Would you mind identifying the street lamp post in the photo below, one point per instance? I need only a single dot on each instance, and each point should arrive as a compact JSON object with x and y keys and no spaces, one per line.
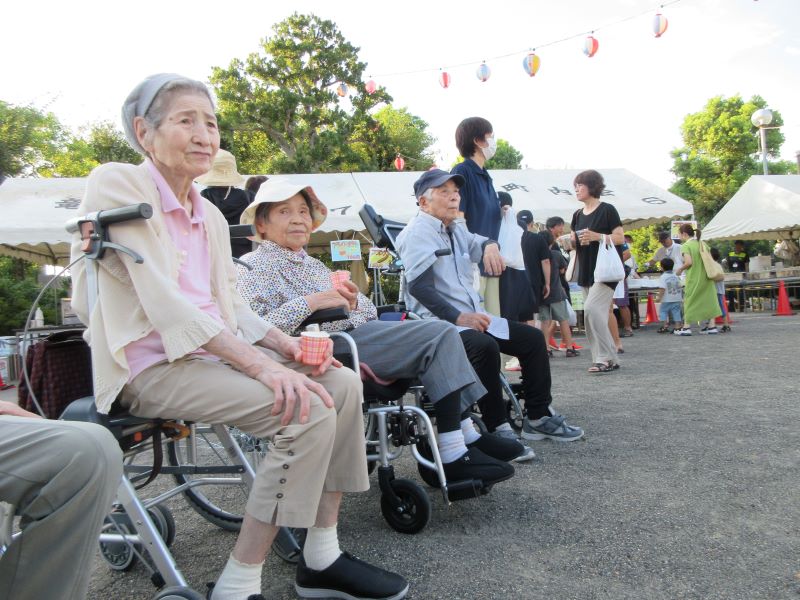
{"x":761,"y":118}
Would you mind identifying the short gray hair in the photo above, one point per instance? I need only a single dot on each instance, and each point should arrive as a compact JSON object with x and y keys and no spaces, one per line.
{"x":151,"y":99}
{"x":427,"y":194}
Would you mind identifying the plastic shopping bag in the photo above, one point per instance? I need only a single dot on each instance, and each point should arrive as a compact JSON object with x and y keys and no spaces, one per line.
{"x":510,"y":240}
{"x":573,"y":316}
{"x":608,"y":268}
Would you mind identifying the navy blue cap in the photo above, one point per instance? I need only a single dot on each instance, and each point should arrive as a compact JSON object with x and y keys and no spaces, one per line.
{"x":435,"y":178}
{"x":525,"y":217}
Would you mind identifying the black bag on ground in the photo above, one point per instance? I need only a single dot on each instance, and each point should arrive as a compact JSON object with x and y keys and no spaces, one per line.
{"x":60,"y":371}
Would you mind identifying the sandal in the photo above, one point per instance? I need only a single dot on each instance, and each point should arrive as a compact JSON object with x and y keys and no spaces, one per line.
{"x":625,"y":333}
{"x":600,"y":368}
{"x":620,"y":350}
{"x":664,"y":330}
{"x":572,"y":352}
{"x":613,"y":366}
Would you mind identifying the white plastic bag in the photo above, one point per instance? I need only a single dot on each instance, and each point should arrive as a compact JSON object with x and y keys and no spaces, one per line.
{"x":608,"y":268}
{"x":573,"y":316}
{"x":510,"y":240}
{"x":619,"y":291}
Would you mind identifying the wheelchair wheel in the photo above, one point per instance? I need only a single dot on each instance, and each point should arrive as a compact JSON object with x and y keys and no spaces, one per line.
{"x":220,"y":504}
{"x":119,"y":555}
{"x":178,"y":593}
{"x":164,"y":522}
{"x":289,"y":547}
{"x":415,"y":510}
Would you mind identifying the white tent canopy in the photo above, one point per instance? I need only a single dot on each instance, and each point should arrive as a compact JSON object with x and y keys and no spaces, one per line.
{"x":35,"y":210}
{"x":766,"y":207}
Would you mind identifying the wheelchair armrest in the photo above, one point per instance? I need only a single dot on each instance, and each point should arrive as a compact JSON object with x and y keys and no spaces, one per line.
{"x":400,"y":307}
{"x":84,"y":410}
{"x":325,"y":315}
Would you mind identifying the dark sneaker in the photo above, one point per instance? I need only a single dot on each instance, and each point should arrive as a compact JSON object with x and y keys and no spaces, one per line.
{"x":510,"y":434}
{"x":349,"y":578}
{"x":477,"y":465}
{"x":553,"y":428}
{"x":498,"y":446}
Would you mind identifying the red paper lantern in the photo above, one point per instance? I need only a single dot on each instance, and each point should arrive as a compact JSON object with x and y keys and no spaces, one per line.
{"x":444,"y":79}
{"x":660,"y":24}
{"x":590,"y":46}
{"x":399,"y":163}
{"x":370,"y":87}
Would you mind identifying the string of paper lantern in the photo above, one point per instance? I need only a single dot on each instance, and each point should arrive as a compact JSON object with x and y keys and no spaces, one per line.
{"x":531,"y":62}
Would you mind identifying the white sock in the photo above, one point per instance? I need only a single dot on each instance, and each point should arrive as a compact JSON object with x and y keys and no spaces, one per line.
{"x":452,"y":446}
{"x":468,"y":431}
{"x":238,"y":581}
{"x":322,"y":547}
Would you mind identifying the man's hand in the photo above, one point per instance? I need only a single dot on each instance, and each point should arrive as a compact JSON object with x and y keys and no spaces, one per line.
{"x":14,"y":410}
{"x":546,"y":290}
{"x":493,"y":263}
{"x":476,"y":321}
{"x":349,"y":291}
{"x":292,"y":390}
{"x":327,"y":299}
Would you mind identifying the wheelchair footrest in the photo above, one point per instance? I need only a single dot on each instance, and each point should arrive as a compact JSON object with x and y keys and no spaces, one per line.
{"x":464,"y":490}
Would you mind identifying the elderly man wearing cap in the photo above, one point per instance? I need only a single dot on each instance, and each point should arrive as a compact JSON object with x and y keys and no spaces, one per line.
{"x":669,"y":249}
{"x":438,"y":255}
{"x":286,"y":285}
{"x":172,"y":338}
{"x":222,"y":189}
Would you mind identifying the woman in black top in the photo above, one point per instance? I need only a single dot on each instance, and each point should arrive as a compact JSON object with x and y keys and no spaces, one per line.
{"x":589,"y":225}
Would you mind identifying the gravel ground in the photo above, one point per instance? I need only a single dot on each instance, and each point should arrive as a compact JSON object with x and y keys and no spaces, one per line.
{"x":686,"y":486}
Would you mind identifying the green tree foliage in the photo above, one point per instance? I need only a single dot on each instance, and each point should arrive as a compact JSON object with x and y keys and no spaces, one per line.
{"x":645,"y":242}
{"x":96,"y":144}
{"x":27,"y":136}
{"x":720,"y":153}
{"x":18,"y":289}
{"x":394,"y":130}
{"x":506,"y":157}
{"x":280,"y":113}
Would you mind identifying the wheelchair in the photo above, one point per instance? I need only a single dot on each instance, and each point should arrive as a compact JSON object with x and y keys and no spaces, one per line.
{"x":213,"y":465}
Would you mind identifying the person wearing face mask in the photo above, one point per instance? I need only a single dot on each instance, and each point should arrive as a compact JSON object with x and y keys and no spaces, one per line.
{"x":480,"y":206}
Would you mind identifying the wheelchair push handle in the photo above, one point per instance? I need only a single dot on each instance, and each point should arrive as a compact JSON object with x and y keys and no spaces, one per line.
{"x":112,"y":216}
{"x":242,"y":231}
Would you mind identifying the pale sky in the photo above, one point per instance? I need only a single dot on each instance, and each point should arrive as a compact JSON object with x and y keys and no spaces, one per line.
{"x":620,"y":109}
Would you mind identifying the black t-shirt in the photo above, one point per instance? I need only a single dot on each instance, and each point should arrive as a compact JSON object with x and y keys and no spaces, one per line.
{"x":604,"y":219}
{"x":557,"y":262}
{"x":534,"y":251}
{"x":231,"y":202}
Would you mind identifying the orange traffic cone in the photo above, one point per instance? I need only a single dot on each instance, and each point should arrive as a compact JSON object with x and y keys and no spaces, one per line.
{"x":652,"y":313}
{"x":784,"y":308}
{"x":3,"y":385}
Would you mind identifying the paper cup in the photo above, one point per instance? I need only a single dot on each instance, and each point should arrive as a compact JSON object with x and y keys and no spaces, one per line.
{"x":339,"y":277}
{"x":314,"y":345}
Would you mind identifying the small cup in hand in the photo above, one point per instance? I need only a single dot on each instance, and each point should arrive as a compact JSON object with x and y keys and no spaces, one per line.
{"x":338,"y":278}
{"x":314,"y":346}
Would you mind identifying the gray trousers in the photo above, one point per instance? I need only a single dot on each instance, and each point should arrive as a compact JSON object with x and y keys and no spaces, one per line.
{"x":61,"y":477}
{"x":596,"y":304}
{"x":428,"y":349}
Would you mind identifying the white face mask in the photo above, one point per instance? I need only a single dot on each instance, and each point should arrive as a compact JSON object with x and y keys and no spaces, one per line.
{"x":490,"y":150}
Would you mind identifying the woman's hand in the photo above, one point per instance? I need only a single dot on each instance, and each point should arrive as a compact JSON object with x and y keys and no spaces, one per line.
{"x":328,"y":299}
{"x":349,"y":291}
{"x":289,"y":347}
{"x":292,"y":390}
{"x":588,"y":236}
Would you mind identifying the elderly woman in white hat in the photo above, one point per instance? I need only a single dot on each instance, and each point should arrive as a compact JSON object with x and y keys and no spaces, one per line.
{"x":223,"y":189}
{"x":286,"y":285}
{"x":173,"y":338}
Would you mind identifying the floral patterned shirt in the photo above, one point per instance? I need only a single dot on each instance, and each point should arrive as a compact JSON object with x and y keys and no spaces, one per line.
{"x":280,"y":279}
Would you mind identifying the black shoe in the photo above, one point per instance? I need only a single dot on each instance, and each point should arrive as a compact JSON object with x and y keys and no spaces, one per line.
{"x":501,"y":448}
{"x":349,"y":578}
{"x":477,"y":465}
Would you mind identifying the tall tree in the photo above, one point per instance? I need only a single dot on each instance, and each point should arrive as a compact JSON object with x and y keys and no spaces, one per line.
{"x":377,"y":141}
{"x":506,"y":157}
{"x":280,"y":111}
{"x":27,"y":136}
{"x":720,"y":153}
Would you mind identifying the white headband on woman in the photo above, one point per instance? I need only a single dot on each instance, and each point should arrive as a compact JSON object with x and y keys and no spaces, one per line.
{"x":139,"y":100}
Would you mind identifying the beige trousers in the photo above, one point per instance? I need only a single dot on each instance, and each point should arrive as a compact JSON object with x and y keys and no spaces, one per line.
{"x":326,"y":454}
{"x":596,"y":302}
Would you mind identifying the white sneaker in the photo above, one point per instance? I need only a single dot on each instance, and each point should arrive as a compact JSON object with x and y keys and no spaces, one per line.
{"x":682,"y":332}
{"x":513,"y":365}
{"x":709,"y":330}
